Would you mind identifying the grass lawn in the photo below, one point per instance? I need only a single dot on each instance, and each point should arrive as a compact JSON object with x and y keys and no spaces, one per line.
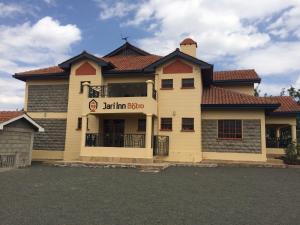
{"x":179,"y":195}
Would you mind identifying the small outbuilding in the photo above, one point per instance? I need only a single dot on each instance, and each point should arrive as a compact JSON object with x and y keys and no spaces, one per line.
{"x":16,"y":138}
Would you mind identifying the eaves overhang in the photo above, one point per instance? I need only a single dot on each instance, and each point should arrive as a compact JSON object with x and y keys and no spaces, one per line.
{"x":24,"y":77}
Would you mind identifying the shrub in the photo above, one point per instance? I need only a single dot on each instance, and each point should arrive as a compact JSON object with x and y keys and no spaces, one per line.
{"x":291,"y":153}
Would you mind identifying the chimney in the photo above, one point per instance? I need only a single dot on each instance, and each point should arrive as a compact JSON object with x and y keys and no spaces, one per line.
{"x":188,"y":46}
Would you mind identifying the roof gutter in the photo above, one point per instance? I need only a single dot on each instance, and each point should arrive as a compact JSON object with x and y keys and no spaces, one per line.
{"x":237,"y":81}
{"x":24,"y":77}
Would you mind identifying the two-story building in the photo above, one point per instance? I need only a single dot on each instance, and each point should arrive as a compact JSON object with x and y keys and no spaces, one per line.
{"x":133,"y":106}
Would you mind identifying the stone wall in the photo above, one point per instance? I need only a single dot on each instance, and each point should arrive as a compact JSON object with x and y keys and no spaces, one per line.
{"x":54,"y":136}
{"x":18,"y":142}
{"x":250,"y":142}
{"x":47,"y":98}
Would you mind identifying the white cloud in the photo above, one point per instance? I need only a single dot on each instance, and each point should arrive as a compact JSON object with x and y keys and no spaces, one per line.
{"x":43,"y":43}
{"x":11,"y":93}
{"x":274,"y":59}
{"x":27,"y":46}
{"x":119,"y":9}
{"x":235,"y":29}
{"x":10,"y":9}
{"x":221,"y":27}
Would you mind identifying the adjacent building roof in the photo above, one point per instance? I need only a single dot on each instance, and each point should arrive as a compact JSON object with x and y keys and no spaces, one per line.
{"x":236,"y":76}
{"x":216,"y":97}
{"x":287,"y":105}
{"x":7,"y":117}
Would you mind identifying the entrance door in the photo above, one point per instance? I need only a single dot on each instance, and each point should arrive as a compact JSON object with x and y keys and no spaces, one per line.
{"x":113,"y":133}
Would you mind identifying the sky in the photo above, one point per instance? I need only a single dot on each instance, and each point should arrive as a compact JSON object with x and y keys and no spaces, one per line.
{"x":231,"y":34}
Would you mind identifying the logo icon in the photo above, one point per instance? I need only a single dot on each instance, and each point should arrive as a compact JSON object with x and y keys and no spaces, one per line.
{"x":93,"y":105}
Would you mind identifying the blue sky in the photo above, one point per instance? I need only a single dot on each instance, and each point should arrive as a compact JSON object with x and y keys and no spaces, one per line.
{"x":231,"y":34}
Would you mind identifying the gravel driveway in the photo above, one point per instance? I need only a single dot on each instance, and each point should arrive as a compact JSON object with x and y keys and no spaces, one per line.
{"x":179,"y":195}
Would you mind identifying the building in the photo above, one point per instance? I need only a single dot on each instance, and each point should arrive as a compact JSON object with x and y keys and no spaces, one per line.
{"x":16,"y":138}
{"x":133,"y":106}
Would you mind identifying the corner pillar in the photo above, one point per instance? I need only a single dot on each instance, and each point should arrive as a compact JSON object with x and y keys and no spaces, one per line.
{"x":150,"y":85}
{"x":148,"y":130}
{"x":294,"y":133}
{"x":83,"y":130}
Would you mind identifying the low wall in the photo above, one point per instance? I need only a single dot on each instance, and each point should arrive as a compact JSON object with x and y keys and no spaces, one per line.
{"x":117,"y":152}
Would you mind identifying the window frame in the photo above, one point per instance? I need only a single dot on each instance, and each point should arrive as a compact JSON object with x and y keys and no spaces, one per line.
{"x":143,"y":125}
{"x":169,"y":87}
{"x":184,"y":124}
{"x":235,"y":130}
{"x":187,"y":87}
{"x":170,"y":124}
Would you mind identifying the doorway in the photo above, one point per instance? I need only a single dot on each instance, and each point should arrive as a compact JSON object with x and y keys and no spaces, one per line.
{"x":113,"y":132}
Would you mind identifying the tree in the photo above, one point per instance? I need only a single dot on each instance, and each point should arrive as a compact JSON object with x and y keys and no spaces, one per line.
{"x":294,"y":93}
{"x":256,"y":91}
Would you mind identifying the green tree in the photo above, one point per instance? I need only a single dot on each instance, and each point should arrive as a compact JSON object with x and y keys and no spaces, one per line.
{"x":294,"y":93}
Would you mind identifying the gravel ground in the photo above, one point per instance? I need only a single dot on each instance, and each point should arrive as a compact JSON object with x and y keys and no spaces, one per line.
{"x":179,"y":195}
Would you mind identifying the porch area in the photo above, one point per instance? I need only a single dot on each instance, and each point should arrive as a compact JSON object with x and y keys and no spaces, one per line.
{"x":121,"y":138}
{"x":278,"y":137}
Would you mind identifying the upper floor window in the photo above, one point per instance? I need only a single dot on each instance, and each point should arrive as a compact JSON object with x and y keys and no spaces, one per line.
{"x":167,"y":83}
{"x":141,"y":125}
{"x":230,"y":129}
{"x":166,"y":124}
{"x":187,"y":83}
{"x":81,"y":85}
{"x":187,"y":124}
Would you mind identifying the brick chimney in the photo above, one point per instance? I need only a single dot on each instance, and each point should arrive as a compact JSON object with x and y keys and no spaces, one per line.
{"x":188,"y":46}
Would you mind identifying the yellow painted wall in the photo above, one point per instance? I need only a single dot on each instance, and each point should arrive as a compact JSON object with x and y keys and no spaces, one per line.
{"x":242,"y":115}
{"x":178,"y":103}
{"x":240,"y":88}
{"x":291,"y":120}
{"x":189,"y":49}
{"x":75,"y":108}
{"x":47,"y":155}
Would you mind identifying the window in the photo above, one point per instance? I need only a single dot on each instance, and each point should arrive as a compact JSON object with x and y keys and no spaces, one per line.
{"x":187,"y":83}
{"x":166,"y":123}
{"x":79,"y":123}
{"x":81,"y":86}
{"x":141,"y":125}
{"x":230,"y":129}
{"x":167,"y":83}
{"x":187,"y":124}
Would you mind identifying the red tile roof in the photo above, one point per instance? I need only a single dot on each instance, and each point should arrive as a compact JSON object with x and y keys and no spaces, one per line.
{"x":7,"y":115}
{"x":188,"y":41}
{"x":220,"y":96}
{"x":131,"y":62}
{"x":48,"y":70}
{"x":121,"y":63}
{"x":288,"y":104}
{"x":235,"y":75}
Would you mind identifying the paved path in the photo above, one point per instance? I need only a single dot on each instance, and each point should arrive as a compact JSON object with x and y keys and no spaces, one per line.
{"x":178,"y":195}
